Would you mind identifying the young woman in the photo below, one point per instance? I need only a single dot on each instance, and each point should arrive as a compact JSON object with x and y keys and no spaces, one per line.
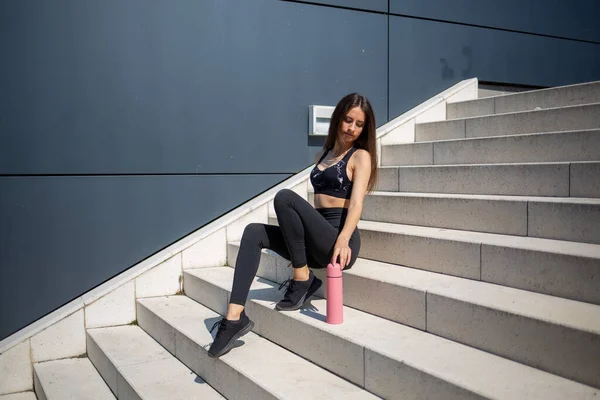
{"x":310,"y":237}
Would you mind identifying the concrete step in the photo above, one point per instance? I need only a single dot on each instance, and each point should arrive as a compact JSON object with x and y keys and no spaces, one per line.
{"x":562,"y":96}
{"x":572,"y":219}
{"x":566,"y":269}
{"x":538,"y":147}
{"x":135,"y":366}
{"x":73,"y":378}
{"x":259,"y":369}
{"x":471,"y":312}
{"x":576,"y":179}
{"x":549,"y":120}
{"x":19,"y":396}
{"x":393,"y":361}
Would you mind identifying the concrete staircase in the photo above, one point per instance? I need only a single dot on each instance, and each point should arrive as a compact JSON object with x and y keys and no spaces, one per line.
{"x":478,"y":278}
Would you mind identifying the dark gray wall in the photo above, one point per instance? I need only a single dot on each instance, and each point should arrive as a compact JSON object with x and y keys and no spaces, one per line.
{"x":62,"y":235}
{"x":124,"y":126}
{"x":575,"y":19}
{"x":427,"y":56}
{"x":177,"y":87}
{"x":370,"y":5}
{"x":127,"y":125}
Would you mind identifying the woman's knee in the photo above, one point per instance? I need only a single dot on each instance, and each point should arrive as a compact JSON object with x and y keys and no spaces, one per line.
{"x":253,"y":231}
{"x":283,"y":197}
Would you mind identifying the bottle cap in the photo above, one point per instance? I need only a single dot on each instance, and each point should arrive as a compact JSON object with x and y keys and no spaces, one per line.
{"x":334,"y":271}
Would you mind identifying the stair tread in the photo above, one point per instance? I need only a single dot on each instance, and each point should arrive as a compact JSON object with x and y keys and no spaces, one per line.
{"x":19,"y":396}
{"x":577,"y":106}
{"x":73,"y":378}
{"x":573,"y":200}
{"x":534,"y":91}
{"x":492,"y":164}
{"x":528,"y":243}
{"x":147,"y":367}
{"x":499,"y":137}
{"x":416,"y":348}
{"x":266,"y":363}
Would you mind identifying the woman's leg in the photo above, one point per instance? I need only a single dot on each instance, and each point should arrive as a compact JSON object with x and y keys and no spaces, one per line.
{"x":308,"y":235}
{"x":302,"y":229}
{"x":303,"y":234}
{"x":255,"y":238}
{"x":236,"y":323}
{"x":305,"y":230}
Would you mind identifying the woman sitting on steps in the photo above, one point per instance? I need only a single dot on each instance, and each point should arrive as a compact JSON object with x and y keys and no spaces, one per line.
{"x":310,"y":237}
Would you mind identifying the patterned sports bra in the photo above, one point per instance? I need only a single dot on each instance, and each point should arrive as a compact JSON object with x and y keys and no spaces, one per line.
{"x":333,"y":181}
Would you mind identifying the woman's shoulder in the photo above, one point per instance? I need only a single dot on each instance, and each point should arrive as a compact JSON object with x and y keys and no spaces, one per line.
{"x":362,"y":156}
{"x":362,"y":152}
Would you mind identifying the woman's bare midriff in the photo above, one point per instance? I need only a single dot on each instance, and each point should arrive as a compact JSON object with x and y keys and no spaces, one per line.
{"x":325,"y":201}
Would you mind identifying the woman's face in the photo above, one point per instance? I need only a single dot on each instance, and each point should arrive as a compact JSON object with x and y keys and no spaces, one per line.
{"x":352,"y":125}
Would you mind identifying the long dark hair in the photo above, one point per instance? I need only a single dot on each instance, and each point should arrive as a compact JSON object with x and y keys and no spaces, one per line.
{"x":366,"y":140}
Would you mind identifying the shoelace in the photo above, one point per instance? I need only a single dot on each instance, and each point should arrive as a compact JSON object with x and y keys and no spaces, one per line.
{"x":222,"y":326}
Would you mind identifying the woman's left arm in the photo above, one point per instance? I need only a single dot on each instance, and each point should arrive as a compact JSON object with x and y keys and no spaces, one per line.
{"x":361,"y":174}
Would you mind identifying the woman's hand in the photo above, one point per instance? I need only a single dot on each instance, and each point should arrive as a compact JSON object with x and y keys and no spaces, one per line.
{"x":341,"y":249}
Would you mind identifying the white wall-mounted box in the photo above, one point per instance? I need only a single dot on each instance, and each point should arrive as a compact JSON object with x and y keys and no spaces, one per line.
{"x":318,"y":120}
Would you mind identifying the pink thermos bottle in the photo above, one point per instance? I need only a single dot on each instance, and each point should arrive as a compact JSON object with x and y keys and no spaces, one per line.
{"x":335,"y":294}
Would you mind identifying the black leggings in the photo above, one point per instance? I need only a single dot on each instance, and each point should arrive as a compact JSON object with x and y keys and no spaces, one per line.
{"x":305,"y":235}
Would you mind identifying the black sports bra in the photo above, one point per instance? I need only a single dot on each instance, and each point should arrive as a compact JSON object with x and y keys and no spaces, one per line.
{"x":333,"y":181}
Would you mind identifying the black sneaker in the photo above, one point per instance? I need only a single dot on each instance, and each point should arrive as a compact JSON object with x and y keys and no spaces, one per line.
{"x":228,"y":333}
{"x":298,"y":292}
